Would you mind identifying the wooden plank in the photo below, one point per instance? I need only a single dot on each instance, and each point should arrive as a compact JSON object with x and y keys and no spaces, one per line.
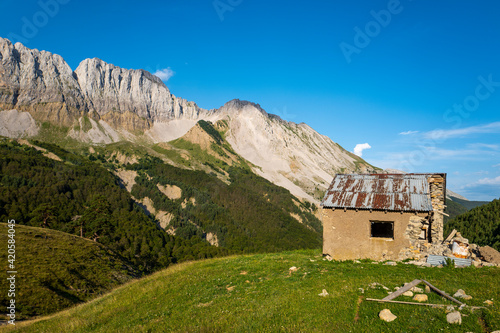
{"x":401,"y":302}
{"x":440,"y":212}
{"x":442,"y":293}
{"x":450,"y":236}
{"x":401,"y":290}
{"x":415,"y":303}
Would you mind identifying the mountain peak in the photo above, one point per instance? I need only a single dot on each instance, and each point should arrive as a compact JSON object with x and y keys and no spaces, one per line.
{"x":237,"y":104}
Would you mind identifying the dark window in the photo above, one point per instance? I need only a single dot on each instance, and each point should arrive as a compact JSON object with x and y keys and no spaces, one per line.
{"x":382,"y":229}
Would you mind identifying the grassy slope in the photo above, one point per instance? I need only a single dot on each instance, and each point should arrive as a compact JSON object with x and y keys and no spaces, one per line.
{"x":56,"y":270}
{"x":257,"y":293}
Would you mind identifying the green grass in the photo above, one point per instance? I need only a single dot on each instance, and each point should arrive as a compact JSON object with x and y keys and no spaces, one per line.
{"x":87,"y":125}
{"x":172,"y":154}
{"x":258,"y":293}
{"x":56,"y":270}
{"x":202,"y":156}
{"x":58,"y":135}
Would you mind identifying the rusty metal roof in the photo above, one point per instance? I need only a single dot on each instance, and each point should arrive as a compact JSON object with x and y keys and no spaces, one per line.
{"x":395,"y":192}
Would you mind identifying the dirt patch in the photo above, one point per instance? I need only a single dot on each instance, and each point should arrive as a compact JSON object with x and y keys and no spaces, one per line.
{"x":297,"y":217}
{"x":171,"y":191}
{"x":147,"y":204}
{"x":360,"y":300}
{"x":46,"y":153}
{"x":127,"y":177}
{"x":212,"y":239}
{"x":124,"y":159}
{"x":185,"y":202}
{"x":164,"y":218}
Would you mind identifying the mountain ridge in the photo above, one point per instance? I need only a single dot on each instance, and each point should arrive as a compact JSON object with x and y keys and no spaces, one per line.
{"x":100,"y":103}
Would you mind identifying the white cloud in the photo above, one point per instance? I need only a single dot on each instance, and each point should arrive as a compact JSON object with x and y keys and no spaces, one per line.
{"x":164,"y":74}
{"x":462,"y":132}
{"x":358,"y":150}
{"x":440,"y":153}
{"x":496,"y":166}
{"x":483,"y":189}
{"x":483,"y":145}
{"x":408,"y":133}
{"x":489,"y":181}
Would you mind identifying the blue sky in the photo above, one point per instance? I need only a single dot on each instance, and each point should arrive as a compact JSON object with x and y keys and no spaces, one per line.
{"x":417,"y":81}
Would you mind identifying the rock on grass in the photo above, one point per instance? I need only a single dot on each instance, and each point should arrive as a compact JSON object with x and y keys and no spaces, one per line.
{"x":387,"y":315}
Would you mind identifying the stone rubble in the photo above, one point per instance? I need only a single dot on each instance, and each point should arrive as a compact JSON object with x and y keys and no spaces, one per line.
{"x":420,"y":250}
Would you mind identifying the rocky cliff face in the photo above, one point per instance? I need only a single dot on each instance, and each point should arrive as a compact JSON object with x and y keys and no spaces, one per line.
{"x":43,"y":84}
{"x":39,"y":82}
{"x":103,"y":103}
{"x":110,"y":89}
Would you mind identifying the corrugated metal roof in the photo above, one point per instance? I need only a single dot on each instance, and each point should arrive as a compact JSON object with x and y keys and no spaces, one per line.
{"x":397,"y":192}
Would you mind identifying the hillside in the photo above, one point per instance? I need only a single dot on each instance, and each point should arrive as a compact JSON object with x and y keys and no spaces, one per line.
{"x":259,"y":293}
{"x":457,"y":205}
{"x":481,"y":225}
{"x":241,"y":213}
{"x":71,"y":193}
{"x":56,"y":270}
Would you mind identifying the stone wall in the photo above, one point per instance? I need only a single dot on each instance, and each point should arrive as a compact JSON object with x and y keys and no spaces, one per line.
{"x":437,"y":184}
{"x":417,"y":233}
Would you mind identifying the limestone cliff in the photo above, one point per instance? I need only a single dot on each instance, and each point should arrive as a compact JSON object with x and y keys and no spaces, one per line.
{"x":111,"y":89}
{"x":39,"y":82}
{"x":43,"y":84}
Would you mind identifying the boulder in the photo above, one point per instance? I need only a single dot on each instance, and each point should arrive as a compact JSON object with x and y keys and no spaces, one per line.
{"x":420,"y":298}
{"x":454,"y":317}
{"x":490,"y":254}
{"x":459,"y":293}
{"x":408,"y":293}
{"x":387,"y":315}
{"x":324,"y":293}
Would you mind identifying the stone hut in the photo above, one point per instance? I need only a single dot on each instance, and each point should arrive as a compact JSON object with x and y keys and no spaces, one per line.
{"x":383,"y":216}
